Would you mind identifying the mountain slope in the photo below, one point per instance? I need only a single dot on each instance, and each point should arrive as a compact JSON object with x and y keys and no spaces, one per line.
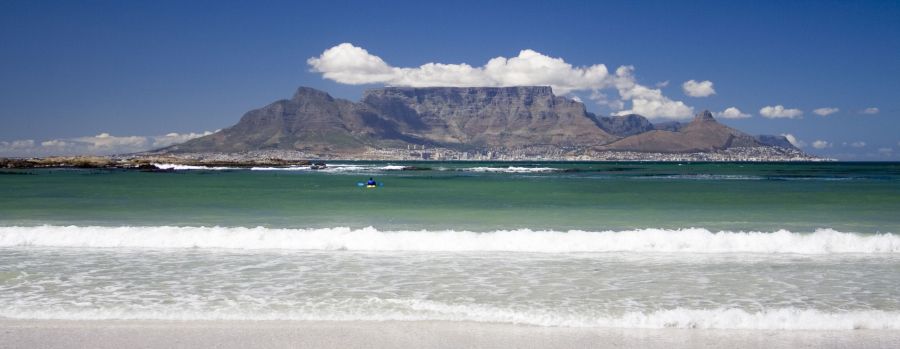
{"x":704,"y":133}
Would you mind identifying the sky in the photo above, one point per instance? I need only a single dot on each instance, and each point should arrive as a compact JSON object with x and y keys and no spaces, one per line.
{"x":112,"y":76}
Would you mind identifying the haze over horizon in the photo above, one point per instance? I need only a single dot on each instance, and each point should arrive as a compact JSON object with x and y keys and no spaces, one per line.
{"x":107,"y":77}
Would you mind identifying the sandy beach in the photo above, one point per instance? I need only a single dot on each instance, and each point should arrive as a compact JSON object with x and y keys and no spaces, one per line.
{"x":394,"y":334}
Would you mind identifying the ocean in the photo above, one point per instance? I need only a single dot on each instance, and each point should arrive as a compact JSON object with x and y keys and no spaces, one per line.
{"x":756,"y":246}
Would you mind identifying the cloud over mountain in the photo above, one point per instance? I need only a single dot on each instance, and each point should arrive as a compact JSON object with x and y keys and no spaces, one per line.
{"x":732,"y":113}
{"x":349,"y":64}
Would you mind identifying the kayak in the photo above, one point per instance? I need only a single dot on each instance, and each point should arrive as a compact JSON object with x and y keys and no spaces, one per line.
{"x":369,"y":186}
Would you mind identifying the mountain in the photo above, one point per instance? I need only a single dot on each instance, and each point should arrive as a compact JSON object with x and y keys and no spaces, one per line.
{"x":487,"y":117}
{"x":775,"y":141}
{"x":624,"y":125}
{"x":461,"y":119}
{"x":311,"y":121}
{"x":703,"y":134}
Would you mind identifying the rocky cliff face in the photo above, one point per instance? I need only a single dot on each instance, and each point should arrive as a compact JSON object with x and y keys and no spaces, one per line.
{"x":624,"y":125}
{"x":457,"y":118}
{"x":487,"y":117}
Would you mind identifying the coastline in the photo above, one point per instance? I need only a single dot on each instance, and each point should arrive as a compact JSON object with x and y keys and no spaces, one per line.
{"x":418,"y":334}
{"x":289,"y":159}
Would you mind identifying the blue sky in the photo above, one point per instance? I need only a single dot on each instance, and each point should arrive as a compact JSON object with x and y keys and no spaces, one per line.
{"x":70,"y":71}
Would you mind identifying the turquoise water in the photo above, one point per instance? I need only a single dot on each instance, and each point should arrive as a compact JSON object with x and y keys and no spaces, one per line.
{"x":619,"y":245}
{"x":853,"y":197}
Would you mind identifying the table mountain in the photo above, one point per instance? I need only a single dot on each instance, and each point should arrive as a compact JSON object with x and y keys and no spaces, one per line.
{"x":458,"y":118}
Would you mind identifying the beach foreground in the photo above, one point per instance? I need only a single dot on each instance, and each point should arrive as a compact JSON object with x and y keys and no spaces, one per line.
{"x":409,"y":334}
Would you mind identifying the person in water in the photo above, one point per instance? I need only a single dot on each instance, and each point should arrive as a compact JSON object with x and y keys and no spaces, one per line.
{"x":371,"y":182}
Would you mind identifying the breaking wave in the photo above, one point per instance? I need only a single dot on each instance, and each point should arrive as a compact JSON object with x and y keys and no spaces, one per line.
{"x":511,"y":169}
{"x":423,"y":310}
{"x":692,"y":240}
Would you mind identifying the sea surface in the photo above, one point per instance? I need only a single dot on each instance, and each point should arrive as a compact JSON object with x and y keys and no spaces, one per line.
{"x":790,"y":246}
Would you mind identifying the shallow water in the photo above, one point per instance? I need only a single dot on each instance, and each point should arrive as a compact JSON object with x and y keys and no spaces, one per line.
{"x":620,"y":245}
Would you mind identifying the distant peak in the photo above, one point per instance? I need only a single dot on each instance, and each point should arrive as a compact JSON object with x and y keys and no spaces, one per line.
{"x":309,"y":92}
{"x":704,"y":116}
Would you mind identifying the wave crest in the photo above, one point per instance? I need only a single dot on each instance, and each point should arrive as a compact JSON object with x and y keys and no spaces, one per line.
{"x":692,"y":240}
{"x":422,"y":310}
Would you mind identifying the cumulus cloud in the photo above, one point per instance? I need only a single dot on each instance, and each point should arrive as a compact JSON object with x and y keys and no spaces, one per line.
{"x":101,"y":144}
{"x":826,"y":111}
{"x":794,"y":140}
{"x":870,"y":110}
{"x":695,"y":88}
{"x":820,"y":144}
{"x":858,"y":144}
{"x":353,"y":65}
{"x":662,"y":84}
{"x":349,"y":64}
{"x":779,"y":111}
{"x":732,"y":113}
{"x":647,"y":101}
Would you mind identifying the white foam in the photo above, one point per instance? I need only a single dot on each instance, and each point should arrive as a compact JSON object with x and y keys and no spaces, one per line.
{"x":421,"y":310}
{"x":512,"y":169}
{"x":189,"y":167}
{"x":290,"y":168}
{"x":692,"y":240}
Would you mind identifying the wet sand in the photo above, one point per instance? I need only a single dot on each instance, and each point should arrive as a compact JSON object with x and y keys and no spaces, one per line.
{"x":398,"y":334}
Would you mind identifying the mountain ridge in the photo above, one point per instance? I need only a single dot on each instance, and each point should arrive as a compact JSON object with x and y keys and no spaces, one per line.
{"x":462,"y":119}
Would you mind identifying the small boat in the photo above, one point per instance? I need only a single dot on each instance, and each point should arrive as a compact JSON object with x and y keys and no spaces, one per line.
{"x":318,"y":166}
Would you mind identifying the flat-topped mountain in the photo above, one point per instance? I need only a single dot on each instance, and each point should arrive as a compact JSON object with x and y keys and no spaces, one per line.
{"x":459,"y":118}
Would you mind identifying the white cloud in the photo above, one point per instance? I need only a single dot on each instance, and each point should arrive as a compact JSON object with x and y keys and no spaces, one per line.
{"x":858,"y":144}
{"x":826,"y":111}
{"x":820,"y":144}
{"x":695,"y":88}
{"x":886,"y":150}
{"x":17,"y":144}
{"x":870,"y":110}
{"x":662,"y":84}
{"x":794,"y":140}
{"x":576,"y":98}
{"x":349,"y":64}
{"x":778,"y":111}
{"x":732,"y":113}
{"x":101,"y":144}
{"x":175,"y":138}
{"x":601,"y":99}
{"x":353,"y":65}
{"x":646,"y":101}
